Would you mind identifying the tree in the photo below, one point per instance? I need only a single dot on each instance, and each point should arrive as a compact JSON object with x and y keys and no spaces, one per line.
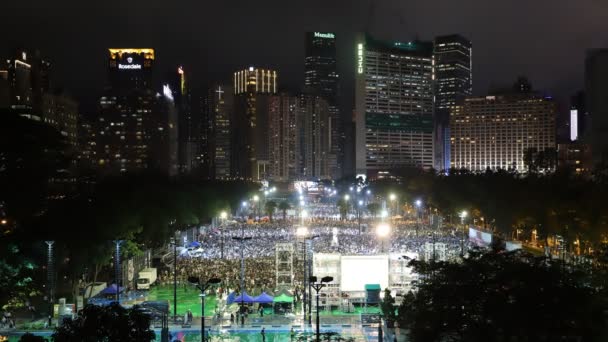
{"x":284,"y":206}
{"x":388,"y":307}
{"x":27,"y":337}
{"x":374,"y":209}
{"x":502,"y":297}
{"x":110,"y":323}
{"x":271,"y":207}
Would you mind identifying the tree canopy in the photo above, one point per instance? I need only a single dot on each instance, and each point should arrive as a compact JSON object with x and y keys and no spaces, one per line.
{"x":498,"y":296}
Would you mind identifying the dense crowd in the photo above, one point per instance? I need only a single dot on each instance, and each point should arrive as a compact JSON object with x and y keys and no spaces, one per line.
{"x":328,"y":236}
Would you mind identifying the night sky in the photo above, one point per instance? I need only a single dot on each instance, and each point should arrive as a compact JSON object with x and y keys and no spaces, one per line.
{"x":545,"y":40}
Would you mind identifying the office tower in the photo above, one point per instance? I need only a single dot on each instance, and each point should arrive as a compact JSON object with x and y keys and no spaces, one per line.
{"x":130,"y":69}
{"x":498,"y":132}
{"x":250,"y":125}
{"x":61,"y":112}
{"x":393,"y":105}
{"x":220,"y":109}
{"x":453,"y":81}
{"x":188,"y":135}
{"x":136,"y":127}
{"x":596,"y":92}
{"x":282,"y":134}
{"x":18,"y":73}
{"x":161,"y":134}
{"x":321,"y":79}
{"x":313,"y":143}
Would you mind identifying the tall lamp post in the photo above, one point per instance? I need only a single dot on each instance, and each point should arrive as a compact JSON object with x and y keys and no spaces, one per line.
{"x":393,"y":199}
{"x":462,"y":215}
{"x":117,"y":272}
{"x":318,"y":286}
{"x":256,"y":200}
{"x":223,"y":216}
{"x":241,"y":239}
{"x":50,"y":275}
{"x":418,"y":214}
{"x":383,"y":230}
{"x":203,"y":287}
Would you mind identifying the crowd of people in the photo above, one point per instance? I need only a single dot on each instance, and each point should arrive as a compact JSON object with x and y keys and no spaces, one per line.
{"x":223,"y":247}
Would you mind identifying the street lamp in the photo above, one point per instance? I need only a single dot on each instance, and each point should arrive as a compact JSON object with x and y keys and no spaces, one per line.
{"x":256,"y":198}
{"x":462,"y":215}
{"x":203,"y":287}
{"x":318,"y":287}
{"x":346,"y":197}
{"x":383,"y":230}
{"x":223,"y":216}
{"x":392,"y":197}
{"x":303,"y":215}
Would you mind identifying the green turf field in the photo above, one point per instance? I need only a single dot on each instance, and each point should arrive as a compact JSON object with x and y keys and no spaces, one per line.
{"x":187,"y":299}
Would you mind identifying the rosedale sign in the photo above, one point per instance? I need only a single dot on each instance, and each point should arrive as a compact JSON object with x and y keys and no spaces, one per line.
{"x":324,"y":35}
{"x":129,"y":66}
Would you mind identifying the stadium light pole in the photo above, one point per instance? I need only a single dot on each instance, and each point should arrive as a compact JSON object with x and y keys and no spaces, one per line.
{"x":346,"y":199}
{"x":318,"y":286}
{"x":462,"y":215}
{"x":393,"y":198}
{"x":203,"y":287}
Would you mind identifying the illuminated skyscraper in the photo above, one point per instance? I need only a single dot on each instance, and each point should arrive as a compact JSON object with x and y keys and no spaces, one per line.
{"x":136,"y":127}
{"x":321,"y":79}
{"x":494,"y":132}
{"x":250,"y":152}
{"x":220,"y":106}
{"x":453,"y":81}
{"x":313,"y":139}
{"x":393,"y":105}
{"x":282,"y":115}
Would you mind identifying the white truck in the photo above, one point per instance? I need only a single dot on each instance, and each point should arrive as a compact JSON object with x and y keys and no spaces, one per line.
{"x":146,"y":278}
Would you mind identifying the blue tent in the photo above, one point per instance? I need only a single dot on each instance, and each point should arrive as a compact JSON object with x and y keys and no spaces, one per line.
{"x":244,"y":298}
{"x":263,"y":298}
{"x":194,"y":244}
{"x":111,"y":290}
{"x":230,"y":298}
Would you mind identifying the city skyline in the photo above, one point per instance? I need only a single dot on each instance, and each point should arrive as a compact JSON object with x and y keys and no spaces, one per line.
{"x":200,"y":42}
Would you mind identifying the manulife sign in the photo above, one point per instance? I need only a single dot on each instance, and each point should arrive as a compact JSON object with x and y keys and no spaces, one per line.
{"x":324,"y":35}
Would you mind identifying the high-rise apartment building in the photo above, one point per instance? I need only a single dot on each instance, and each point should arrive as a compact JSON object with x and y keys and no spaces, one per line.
{"x":220,"y":106}
{"x":393,"y":105}
{"x":136,"y":127}
{"x":596,"y":93}
{"x":321,"y":78}
{"x":453,"y":81}
{"x":283,"y":111}
{"x":313,"y":144}
{"x":61,"y":111}
{"x":250,"y":151}
{"x":495,"y":132}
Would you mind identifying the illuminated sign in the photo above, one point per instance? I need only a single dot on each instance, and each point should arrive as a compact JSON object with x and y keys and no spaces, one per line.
{"x":573,"y":124}
{"x":324,"y":35}
{"x":129,"y":66}
{"x":360,"y":58}
{"x":167,"y":92}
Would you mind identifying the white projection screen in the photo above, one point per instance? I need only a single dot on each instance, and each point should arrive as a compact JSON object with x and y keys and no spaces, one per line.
{"x":357,"y":271}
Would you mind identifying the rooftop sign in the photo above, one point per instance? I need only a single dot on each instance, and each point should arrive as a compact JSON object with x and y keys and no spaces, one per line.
{"x":324,"y":35}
